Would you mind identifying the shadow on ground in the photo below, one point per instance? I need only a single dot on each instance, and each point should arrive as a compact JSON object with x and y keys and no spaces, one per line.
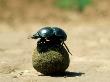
{"x":66,"y":74}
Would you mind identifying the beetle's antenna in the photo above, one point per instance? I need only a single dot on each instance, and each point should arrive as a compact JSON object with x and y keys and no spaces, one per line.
{"x":67,"y":48}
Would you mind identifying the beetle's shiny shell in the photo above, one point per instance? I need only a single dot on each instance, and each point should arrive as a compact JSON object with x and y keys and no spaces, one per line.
{"x":45,"y":32}
{"x":51,"y":33}
{"x":60,"y":33}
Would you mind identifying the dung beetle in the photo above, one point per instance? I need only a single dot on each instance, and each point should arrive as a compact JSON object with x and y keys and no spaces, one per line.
{"x":52,"y":34}
{"x":49,"y":33}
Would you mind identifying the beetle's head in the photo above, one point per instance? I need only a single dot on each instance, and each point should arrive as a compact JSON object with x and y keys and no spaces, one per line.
{"x":35,"y":36}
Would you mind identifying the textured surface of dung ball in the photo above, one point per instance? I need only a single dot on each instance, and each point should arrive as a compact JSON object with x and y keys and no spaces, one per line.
{"x":50,"y":59}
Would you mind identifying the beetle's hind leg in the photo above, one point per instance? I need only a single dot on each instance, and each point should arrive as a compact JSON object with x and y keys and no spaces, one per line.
{"x":67,"y":48}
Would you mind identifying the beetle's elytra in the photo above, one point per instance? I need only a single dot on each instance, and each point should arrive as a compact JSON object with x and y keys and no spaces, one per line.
{"x":51,"y":33}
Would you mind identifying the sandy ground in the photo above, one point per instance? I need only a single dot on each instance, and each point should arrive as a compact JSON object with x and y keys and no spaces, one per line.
{"x":88,"y":42}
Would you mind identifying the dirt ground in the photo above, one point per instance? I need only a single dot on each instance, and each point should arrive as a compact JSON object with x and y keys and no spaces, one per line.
{"x":88,"y":40}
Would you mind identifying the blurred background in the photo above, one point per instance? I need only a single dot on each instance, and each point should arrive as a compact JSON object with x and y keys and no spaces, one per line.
{"x":13,"y":12}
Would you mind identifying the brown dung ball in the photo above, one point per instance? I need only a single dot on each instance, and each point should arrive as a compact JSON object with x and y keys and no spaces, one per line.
{"x":50,"y":59}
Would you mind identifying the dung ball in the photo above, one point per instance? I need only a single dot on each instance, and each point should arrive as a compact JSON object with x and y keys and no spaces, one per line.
{"x":50,"y":59}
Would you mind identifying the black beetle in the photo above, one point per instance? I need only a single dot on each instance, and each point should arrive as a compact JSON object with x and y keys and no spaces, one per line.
{"x":49,"y":33}
{"x":52,"y":34}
